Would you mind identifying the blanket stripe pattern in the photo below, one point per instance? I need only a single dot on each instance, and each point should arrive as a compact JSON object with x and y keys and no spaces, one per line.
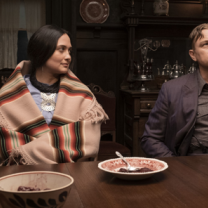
{"x":21,"y":122}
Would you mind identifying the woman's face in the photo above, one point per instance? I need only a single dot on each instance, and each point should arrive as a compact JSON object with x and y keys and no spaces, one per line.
{"x":59,"y":62}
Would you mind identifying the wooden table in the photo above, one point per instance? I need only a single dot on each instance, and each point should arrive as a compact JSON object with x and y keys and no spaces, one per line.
{"x":183,"y":184}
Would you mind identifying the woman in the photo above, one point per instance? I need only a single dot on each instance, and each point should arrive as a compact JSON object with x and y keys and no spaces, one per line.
{"x":46,"y":114}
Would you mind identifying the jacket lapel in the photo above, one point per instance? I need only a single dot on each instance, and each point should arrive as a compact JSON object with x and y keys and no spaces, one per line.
{"x":190,"y":97}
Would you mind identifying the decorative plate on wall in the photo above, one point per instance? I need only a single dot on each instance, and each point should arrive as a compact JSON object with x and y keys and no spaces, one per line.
{"x":94,"y":11}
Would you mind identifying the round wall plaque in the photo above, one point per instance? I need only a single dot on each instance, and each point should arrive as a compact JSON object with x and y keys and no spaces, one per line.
{"x":94,"y":11}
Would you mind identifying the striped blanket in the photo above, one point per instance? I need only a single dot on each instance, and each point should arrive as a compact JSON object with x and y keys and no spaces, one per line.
{"x":25,"y":137}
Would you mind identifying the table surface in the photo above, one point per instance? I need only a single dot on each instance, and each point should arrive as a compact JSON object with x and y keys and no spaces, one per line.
{"x":183,"y":184}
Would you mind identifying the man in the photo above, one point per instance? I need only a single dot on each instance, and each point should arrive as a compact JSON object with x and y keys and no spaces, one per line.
{"x":178,"y":123}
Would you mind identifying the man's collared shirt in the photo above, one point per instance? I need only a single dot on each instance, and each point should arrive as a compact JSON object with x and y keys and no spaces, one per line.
{"x":201,"y":125}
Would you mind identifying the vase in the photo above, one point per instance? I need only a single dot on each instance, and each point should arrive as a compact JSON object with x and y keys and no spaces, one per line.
{"x":161,"y":7}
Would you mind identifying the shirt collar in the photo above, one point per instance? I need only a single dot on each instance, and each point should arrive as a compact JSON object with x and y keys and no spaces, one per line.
{"x":201,"y":82}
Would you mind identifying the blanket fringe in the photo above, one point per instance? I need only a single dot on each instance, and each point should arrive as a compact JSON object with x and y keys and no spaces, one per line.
{"x":3,"y":122}
{"x":18,"y":157}
{"x":95,"y":113}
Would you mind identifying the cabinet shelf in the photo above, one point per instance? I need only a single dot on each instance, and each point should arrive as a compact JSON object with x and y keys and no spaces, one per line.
{"x":134,"y":20}
{"x":98,"y":25}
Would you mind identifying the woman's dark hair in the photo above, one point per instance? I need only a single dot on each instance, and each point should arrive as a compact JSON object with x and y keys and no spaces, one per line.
{"x":42,"y":45}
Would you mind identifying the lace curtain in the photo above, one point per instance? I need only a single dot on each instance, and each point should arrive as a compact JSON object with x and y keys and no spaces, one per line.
{"x":9,"y":26}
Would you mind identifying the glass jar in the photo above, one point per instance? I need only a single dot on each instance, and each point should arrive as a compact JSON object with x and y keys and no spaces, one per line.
{"x":161,"y":7}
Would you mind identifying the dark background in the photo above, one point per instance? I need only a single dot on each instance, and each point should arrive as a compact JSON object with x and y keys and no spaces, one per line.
{"x":101,"y":51}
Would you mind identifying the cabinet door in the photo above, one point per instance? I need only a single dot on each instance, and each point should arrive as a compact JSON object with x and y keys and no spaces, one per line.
{"x":146,"y":106}
{"x":133,"y":131}
{"x":136,"y":112}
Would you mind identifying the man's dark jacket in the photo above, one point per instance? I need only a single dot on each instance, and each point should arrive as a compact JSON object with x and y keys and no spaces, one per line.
{"x":170,"y":125}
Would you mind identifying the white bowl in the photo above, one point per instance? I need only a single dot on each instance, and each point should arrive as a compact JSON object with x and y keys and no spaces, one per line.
{"x":113,"y":165}
{"x":59,"y":186}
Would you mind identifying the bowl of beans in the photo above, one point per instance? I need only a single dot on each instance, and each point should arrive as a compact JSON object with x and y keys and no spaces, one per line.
{"x":35,"y":189}
{"x":146,"y":167}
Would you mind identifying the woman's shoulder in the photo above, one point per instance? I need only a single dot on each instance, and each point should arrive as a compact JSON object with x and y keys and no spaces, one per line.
{"x":73,"y":84}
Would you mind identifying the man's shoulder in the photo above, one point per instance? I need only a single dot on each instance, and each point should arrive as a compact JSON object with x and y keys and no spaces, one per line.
{"x":179,"y":82}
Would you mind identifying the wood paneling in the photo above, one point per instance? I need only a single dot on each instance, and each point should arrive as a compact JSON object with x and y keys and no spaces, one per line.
{"x":177,"y":8}
{"x":137,"y":106}
{"x":102,"y":61}
{"x":63,"y":14}
{"x":102,"y":55}
{"x":102,"y":49}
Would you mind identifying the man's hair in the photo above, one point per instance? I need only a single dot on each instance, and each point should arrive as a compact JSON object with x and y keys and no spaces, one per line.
{"x":197,"y":33}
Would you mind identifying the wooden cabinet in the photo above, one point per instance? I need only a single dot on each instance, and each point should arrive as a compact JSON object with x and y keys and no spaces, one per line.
{"x":137,"y":106}
{"x":142,"y":24}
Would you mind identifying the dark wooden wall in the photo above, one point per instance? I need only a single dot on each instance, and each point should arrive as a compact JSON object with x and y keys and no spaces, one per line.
{"x":102,"y":54}
{"x":101,"y":50}
{"x":184,"y":15}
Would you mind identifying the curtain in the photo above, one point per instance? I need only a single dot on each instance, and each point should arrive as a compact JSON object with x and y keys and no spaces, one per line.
{"x":9,"y":25}
{"x":35,"y":15}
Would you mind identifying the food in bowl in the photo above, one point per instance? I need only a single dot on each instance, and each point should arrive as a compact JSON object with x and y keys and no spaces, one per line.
{"x":114,"y":165}
{"x":59,"y":186}
{"x":28,"y":188}
{"x":141,"y":170}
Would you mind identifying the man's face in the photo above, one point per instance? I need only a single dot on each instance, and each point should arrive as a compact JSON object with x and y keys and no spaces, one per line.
{"x":200,"y":51}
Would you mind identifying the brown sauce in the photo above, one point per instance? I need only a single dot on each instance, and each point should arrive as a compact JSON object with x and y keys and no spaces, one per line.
{"x":142,"y":170}
{"x":26,"y":188}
